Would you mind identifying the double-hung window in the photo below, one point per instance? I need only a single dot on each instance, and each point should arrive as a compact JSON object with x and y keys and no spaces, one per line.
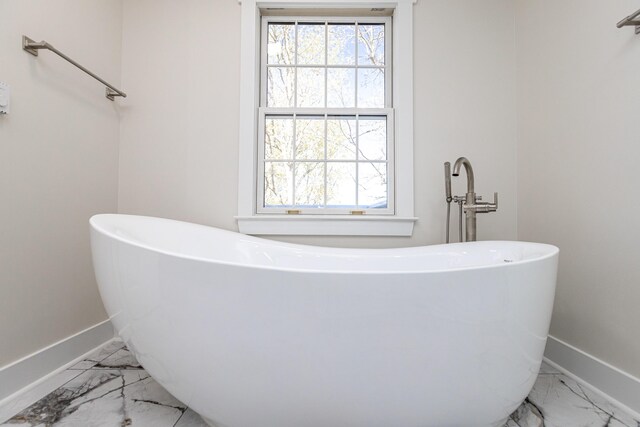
{"x":326,"y":118}
{"x":325,"y":135}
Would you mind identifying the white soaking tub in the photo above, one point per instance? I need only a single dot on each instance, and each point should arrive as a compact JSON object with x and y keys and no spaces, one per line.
{"x":256,"y":333}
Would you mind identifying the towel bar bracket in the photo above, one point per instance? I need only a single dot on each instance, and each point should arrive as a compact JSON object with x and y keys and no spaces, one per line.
{"x":631,"y":20}
{"x":111,"y":94}
{"x":31,"y":46}
{"x":631,"y":23}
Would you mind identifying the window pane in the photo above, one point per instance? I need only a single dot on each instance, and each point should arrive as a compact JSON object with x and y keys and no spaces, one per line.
{"x":278,"y":139}
{"x":311,"y":41}
{"x":342,"y":44}
{"x":281,"y":44}
{"x":310,"y":138}
{"x":341,"y":87}
{"x":372,"y":142}
{"x":309,"y":184}
{"x":341,"y":139}
{"x":315,"y":157}
{"x":372,"y":185}
{"x":311,"y":87}
{"x":341,"y":185}
{"x":280,"y":84}
{"x":371,"y":44}
{"x":278,"y":184}
{"x":371,"y":88}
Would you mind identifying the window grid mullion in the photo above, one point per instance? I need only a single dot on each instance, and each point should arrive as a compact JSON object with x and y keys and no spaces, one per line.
{"x":357,"y":179}
{"x":326,"y":62}
{"x":326,"y":105}
{"x":326,"y":161}
{"x":356,"y":63}
{"x":318,"y":111}
{"x":295,"y":62}
{"x":326,"y":138}
{"x":293,"y":163}
{"x":323,"y":66}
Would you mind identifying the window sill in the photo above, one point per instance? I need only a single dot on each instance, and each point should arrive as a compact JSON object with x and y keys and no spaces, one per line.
{"x":326,"y":225}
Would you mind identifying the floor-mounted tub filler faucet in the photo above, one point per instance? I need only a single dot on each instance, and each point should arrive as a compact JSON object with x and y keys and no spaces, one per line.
{"x":470,"y":203}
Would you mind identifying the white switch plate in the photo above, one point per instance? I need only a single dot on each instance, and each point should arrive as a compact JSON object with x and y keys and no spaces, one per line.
{"x":5,"y":98}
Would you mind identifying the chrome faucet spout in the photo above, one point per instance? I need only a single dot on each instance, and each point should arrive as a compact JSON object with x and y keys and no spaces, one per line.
{"x":463,"y":161}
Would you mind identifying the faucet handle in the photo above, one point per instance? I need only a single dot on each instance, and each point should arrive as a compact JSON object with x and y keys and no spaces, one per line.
{"x":485,"y":207}
{"x":492,"y":207}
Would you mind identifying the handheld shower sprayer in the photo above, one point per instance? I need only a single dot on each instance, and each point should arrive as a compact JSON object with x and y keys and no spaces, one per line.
{"x":447,"y":191}
{"x":447,"y":181}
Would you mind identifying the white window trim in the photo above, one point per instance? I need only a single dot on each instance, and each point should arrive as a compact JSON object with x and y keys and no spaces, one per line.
{"x":400,"y":224}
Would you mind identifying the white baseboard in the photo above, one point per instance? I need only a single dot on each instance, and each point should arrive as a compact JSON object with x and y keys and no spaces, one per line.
{"x":37,"y":366}
{"x":621,"y":388}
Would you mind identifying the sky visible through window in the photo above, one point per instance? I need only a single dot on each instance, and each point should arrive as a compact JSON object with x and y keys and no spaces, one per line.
{"x":326,"y":145}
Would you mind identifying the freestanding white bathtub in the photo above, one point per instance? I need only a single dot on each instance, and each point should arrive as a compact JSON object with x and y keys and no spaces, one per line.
{"x":256,"y":333}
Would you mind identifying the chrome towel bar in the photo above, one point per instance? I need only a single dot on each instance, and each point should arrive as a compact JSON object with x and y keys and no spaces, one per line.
{"x":32,"y":47}
{"x":633,"y":19}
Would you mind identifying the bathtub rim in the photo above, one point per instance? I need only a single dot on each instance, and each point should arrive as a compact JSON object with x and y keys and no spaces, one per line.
{"x":553,"y":251}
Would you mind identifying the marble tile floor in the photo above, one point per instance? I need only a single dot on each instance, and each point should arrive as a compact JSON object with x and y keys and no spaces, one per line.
{"x":110,"y":389}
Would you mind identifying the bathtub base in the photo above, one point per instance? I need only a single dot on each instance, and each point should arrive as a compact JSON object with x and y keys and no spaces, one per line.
{"x":209,"y":422}
{"x":501,"y":423}
{"x":214,"y":424}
